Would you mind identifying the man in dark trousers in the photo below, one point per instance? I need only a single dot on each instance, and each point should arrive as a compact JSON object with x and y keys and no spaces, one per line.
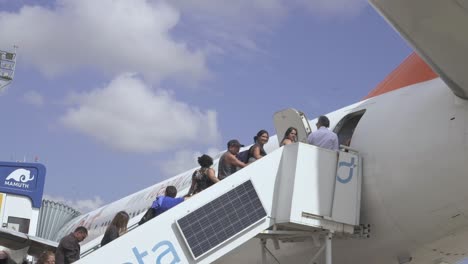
{"x":68,"y":250}
{"x":162,"y":204}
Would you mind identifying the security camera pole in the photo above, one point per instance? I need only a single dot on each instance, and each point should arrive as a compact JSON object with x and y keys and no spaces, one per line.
{"x":7,"y":67}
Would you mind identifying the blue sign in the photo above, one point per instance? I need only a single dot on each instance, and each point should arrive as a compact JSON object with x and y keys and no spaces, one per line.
{"x":351,"y":167}
{"x":26,"y":179}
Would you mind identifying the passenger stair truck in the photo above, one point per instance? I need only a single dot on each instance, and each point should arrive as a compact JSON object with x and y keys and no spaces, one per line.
{"x":296,"y":191}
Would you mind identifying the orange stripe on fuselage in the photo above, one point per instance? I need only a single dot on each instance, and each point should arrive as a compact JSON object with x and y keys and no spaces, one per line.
{"x":411,"y":71}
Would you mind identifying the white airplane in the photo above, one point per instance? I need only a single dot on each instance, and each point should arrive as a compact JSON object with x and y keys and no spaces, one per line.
{"x":412,"y":133}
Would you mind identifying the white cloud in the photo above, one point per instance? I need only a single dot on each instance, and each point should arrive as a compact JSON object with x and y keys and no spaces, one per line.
{"x":116,"y":36}
{"x":184,"y":160}
{"x":83,"y":206}
{"x":127,"y":115}
{"x":33,"y":98}
{"x":232,"y":26}
{"x":228,"y":26}
{"x":113,"y":36}
{"x":334,"y":8}
{"x":241,"y":15}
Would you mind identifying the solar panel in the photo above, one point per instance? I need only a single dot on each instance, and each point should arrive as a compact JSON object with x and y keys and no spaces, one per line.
{"x":221,"y":219}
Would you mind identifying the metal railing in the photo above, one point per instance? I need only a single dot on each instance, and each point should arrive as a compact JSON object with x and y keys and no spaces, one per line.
{"x":91,"y":250}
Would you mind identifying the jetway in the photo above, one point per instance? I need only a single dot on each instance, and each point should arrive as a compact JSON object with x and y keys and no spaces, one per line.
{"x":297,"y":189}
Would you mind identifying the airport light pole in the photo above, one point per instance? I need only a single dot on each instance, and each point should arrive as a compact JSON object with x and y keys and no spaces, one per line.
{"x":7,"y":67}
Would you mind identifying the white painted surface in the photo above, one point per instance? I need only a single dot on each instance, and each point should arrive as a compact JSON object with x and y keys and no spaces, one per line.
{"x":314,"y":182}
{"x":347,"y":195}
{"x":19,"y":206}
{"x":34,"y":221}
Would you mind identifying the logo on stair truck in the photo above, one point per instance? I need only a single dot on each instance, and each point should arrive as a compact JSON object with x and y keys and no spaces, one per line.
{"x":24,"y":179}
{"x":344,"y":167}
{"x":162,"y":252}
{"x":19,"y":178}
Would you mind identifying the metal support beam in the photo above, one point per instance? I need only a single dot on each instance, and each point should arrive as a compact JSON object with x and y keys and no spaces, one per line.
{"x":275,"y":239}
{"x":319,"y":252}
{"x":264,"y":253}
{"x":328,"y":248}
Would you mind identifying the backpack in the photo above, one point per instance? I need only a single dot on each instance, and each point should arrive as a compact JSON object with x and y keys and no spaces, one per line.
{"x":151,"y":212}
{"x":244,"y":156}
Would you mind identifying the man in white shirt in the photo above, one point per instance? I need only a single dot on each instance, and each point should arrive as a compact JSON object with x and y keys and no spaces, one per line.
{"x":323,"y":137}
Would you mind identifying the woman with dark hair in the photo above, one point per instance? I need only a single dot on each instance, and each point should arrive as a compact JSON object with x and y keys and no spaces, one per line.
{"x":257,"y":151}
{"x":290,"y":136}
{"x":117,"y":227}
{"x":203,"y":177}
{"x":47,"y":257}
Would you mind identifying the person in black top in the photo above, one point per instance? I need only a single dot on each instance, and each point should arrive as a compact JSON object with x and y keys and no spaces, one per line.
{"x":257,"y":151}
{"x":117,"y":227}
{"x":203,"y":177}
{"x":68,"y":250}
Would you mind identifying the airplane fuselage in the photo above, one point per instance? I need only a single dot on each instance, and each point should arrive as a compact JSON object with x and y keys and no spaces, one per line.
{"x":413,"y":142}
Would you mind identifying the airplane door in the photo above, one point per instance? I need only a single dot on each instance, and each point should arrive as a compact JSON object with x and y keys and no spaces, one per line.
{"x":345,"y":128}
{"x":291,"y":118}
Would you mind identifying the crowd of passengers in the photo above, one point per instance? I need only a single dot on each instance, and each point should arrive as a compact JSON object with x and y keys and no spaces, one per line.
{"x":68,"y":250}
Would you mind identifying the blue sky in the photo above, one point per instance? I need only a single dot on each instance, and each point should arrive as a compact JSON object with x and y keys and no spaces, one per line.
{"x":114,"y":96}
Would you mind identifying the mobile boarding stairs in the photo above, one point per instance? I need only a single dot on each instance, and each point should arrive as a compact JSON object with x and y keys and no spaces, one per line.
{"x":296,"y":192}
